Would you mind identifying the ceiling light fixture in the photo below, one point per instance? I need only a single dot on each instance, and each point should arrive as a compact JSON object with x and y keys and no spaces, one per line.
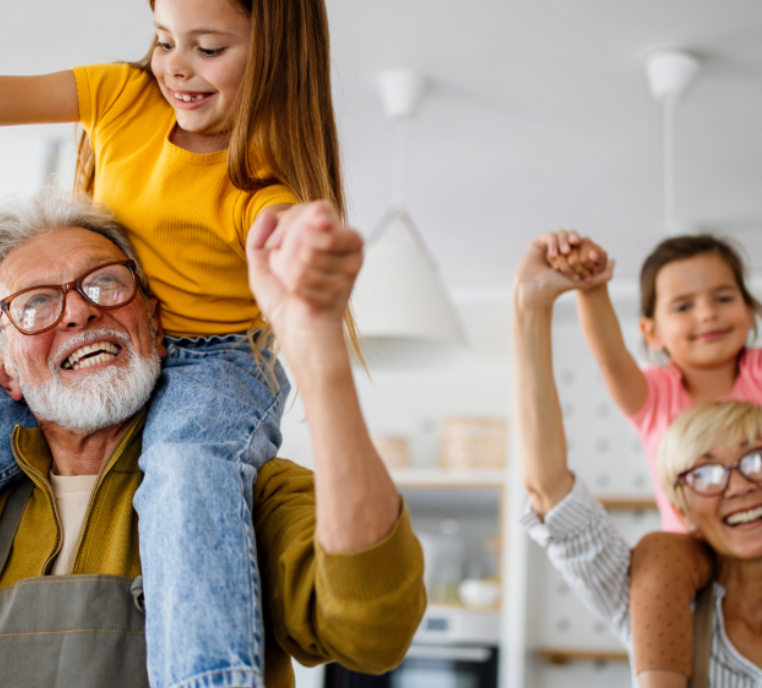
{"x":670,"y":73}
{"x":400,"y":302}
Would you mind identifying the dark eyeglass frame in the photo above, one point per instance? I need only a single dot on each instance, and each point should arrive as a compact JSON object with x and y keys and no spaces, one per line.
{"x":727,"y":468}
{"x":64,"y":289}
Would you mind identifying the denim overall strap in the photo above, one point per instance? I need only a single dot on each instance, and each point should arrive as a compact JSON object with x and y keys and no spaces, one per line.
{"x":11,"y":517}
{"x":62,"y":631}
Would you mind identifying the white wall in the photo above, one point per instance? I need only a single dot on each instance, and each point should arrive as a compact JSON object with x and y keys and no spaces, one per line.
{"x":411,"y":400}
{"x":29,"y":154}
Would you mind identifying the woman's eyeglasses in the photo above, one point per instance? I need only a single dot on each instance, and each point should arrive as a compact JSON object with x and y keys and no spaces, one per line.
{"x":39,"y":309}
{"x":712,"y":479}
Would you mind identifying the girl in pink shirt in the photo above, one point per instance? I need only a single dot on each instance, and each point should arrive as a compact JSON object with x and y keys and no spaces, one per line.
{"x":697,"y":311}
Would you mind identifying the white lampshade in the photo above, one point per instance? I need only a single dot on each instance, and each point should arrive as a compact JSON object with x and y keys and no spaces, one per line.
{"x":401,"y":307}
{"x":400,"y":301}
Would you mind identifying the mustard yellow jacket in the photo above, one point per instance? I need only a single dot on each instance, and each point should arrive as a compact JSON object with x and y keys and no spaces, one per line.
{"x":360,"y":609}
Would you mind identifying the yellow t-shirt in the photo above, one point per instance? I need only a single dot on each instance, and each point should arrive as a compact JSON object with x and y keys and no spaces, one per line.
{"x":187,"y":221}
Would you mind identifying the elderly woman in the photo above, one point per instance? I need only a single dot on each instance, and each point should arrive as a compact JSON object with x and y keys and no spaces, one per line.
{"x":711,"y":467}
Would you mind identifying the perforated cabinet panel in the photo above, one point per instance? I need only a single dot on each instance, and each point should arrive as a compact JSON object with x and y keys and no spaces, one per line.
{"x":604,"y":449}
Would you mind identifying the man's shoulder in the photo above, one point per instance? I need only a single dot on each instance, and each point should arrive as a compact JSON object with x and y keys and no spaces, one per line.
{"x":284,"y":498}
{"x":281,"y":477}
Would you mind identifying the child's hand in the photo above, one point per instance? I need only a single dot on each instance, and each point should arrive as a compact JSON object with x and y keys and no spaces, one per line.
{"x":580,"y":259}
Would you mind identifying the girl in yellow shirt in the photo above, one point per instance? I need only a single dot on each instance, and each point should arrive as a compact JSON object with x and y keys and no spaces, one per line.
{"x":229,"y":114}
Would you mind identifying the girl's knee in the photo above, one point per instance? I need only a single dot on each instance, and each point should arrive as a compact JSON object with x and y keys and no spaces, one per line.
{"x":671,"y":562}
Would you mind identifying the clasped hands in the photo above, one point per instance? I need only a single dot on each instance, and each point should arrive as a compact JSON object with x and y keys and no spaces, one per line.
{"x":302,"y":267}
{"x":561,"y":261}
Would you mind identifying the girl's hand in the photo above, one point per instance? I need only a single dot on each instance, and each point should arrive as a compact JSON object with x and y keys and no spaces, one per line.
{"x":580,"y":259}
{"x":537,"y":283}
{"x":302,"y":266}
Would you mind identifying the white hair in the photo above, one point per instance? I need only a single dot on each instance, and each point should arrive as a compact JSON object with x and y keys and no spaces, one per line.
{"x":23,"y":218}
{"x":696,"y":431}
{"x":100,"y":398}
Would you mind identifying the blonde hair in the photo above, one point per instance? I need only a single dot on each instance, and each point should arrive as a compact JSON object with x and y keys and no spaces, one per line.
{"x":282,"y":126}
{"x":696,"y":432}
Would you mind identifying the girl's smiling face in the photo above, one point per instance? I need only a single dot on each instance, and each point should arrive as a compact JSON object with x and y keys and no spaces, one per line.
{"x":199,"y":62}
{"x":700,"y":319}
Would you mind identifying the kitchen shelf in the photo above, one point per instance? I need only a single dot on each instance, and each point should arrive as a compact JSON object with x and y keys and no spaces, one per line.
{"x":628,"y":503}
{"x":564,"y":655}
{"x":490,"y":609}
{"x":437,"y":477}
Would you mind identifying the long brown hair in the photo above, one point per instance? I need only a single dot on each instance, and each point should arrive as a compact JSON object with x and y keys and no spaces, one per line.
{"x":283,"y":127}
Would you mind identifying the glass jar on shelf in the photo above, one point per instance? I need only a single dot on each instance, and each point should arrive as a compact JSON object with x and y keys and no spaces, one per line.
{"x":449,"y":561}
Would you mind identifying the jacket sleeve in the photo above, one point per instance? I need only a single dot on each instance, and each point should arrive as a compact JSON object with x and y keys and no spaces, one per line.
{"x":360,"y":609}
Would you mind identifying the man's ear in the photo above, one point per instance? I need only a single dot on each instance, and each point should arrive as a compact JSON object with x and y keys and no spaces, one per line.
{"x":651,"y":334}
{"x":9,"y":378}
{"x":155,"y":312}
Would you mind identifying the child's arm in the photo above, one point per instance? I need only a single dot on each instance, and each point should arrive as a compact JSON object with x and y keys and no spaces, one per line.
{"x":46,"y":99}
{"x":666,"y":567}
{"x":582,"y":260}
{"x":623,"y":377}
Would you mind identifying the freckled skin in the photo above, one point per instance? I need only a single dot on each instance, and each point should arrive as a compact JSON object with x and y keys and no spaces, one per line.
{"x":57,"y":258}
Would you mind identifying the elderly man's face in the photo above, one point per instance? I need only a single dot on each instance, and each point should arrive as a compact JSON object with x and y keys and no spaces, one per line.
{"x":37,"y":361}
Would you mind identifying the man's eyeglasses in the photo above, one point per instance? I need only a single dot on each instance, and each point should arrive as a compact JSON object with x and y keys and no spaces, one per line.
{"x":39,"y":309}
{"x":712,"y":479}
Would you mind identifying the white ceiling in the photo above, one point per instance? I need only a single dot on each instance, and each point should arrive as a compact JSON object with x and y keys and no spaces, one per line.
{"x":539,"y":116}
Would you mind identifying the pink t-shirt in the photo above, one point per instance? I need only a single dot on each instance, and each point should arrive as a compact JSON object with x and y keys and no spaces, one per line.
{"x":668,"y":398}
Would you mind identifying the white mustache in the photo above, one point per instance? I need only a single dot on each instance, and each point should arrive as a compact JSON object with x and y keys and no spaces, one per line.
{"x":84,"y":338}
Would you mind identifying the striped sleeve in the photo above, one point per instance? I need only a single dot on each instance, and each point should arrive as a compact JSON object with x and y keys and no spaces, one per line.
{"x":591,"y":554}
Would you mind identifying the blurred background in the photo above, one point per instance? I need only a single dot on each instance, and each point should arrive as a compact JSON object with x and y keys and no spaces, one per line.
{"x":534,"y":116}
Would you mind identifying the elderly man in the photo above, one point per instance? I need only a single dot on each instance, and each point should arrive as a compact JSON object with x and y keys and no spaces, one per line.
{"x":341,"y":568}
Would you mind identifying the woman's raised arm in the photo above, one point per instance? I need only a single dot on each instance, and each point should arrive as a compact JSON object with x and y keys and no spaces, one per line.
{"x":46,"y":99}
{"x":542,"y":443}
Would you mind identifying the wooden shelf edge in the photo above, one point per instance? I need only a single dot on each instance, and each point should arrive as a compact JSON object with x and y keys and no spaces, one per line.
{"x":628,"y":503}
{"x":561,"y":655}
{"x":432,"y":477}
{"x":459,"y":606}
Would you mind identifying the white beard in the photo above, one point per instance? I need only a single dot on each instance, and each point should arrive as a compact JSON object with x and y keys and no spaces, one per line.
{"x":98,"y":399}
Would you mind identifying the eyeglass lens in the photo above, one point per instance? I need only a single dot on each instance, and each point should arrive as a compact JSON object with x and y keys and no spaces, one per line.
{"x":712,"y":478}
{"x":37,"y":309}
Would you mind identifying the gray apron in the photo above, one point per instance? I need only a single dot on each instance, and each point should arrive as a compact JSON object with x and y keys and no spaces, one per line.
{"x":68,"y":631}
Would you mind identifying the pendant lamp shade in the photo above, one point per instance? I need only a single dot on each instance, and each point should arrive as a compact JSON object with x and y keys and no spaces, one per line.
{"x":399,"y":296}
{"x":400,"y":303}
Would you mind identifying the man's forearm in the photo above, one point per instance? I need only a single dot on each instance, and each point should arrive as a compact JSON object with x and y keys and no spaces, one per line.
{"x":357,"y":502}
{"x":542,"y":442}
